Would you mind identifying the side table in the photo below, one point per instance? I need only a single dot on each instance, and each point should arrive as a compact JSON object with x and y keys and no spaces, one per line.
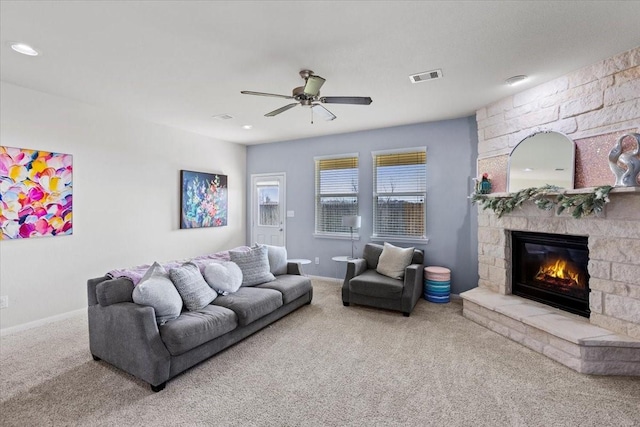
{"x":301,"y":261}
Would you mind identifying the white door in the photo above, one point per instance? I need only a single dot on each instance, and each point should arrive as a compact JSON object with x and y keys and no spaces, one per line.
{"x":268,"y":209}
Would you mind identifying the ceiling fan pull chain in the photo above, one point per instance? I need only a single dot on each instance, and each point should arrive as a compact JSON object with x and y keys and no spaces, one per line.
{"x":311,"y":115}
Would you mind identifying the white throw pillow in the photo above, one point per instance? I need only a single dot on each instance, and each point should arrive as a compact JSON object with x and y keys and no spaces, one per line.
{"x":223,"y":277}
{"x":393,"y":260}
{"x":157,"y":290}
{"x":277,"y":259}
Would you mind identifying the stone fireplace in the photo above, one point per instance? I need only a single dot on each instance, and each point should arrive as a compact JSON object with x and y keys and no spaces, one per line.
{"x":608,"y":342}
{"x":593,"y":106}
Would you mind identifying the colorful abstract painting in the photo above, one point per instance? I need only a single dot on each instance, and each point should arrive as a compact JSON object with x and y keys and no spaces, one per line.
{"x":204,"y":200}
{"x":36,"y":193}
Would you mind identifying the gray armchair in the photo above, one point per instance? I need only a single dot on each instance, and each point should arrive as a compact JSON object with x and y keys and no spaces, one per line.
{"x":364,"y":285}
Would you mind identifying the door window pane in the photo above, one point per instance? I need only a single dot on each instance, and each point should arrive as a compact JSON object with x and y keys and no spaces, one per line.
{"x":269,"y":208}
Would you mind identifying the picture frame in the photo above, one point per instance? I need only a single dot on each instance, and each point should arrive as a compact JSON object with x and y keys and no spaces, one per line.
{"x":36,"y":193}
{"x":203,"y":199}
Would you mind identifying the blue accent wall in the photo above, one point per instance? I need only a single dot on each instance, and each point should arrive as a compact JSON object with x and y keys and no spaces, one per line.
{"x":451,"y":219}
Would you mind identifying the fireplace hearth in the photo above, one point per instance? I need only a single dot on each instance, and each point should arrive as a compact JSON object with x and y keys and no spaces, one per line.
{"x":551,"y":269}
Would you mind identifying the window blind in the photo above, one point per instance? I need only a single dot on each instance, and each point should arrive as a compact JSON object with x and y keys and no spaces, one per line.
{"x":336,"y":192}
{"x":399,"y":193}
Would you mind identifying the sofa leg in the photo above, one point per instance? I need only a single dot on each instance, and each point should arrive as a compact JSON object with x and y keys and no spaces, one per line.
{"x":159,"y":387}
{"x":406,"y":314}
{"x":96,"y":358}
{"x":345,"y":303}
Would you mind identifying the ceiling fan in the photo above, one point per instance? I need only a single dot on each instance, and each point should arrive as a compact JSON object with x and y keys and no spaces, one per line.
{"x":309,"y":96}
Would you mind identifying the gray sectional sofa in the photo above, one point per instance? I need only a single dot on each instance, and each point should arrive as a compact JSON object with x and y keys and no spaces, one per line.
{"x":127,"y":335}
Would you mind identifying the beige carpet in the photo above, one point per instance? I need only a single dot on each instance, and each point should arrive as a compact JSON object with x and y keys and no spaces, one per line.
{"x":323,"y":365}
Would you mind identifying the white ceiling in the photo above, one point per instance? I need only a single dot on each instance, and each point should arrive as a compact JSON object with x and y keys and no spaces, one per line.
{"x":180,"y":62}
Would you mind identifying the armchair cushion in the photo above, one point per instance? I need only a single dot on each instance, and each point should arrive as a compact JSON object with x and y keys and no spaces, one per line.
{"x":393,"y":260}
{"x":373,"y":284}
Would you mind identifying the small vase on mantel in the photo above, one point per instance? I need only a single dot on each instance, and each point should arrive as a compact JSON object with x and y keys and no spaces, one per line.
{"x":483,"y":185}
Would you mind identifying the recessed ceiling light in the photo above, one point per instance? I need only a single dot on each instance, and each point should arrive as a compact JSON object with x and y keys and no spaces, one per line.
{"x":511,"y":81}
{"x":24,"y":49}
{"x":247,"y":127}
{"x":527,"y":170}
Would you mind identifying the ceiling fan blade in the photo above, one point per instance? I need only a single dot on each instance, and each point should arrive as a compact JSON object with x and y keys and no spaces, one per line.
{"x":313,"y":85}
{"x":323,"y":112}
{"x":248,"y":92}
{"x":359,"y":100}
{"x":281,"y":110}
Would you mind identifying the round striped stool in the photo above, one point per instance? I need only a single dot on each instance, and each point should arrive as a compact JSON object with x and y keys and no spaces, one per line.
{"x":437,"y":284}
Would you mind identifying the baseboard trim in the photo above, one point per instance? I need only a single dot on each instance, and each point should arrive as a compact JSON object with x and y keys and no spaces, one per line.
{"x":30,"y":325}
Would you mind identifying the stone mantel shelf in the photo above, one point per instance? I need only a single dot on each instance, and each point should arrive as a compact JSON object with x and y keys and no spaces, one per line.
{"x":615,"y":190}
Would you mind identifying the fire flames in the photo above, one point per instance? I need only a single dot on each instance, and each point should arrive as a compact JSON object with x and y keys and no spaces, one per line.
{"x":560,"y":273}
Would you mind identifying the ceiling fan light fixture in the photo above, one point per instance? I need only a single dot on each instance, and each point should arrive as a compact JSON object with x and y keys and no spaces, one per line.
{"x":313,"y":85}
{"x":323,"y":112}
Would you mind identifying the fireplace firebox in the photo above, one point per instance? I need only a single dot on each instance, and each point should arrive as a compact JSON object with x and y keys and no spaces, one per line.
{"x":552,"y":269}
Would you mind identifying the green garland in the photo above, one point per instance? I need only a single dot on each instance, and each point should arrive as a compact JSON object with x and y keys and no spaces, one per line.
{"x":547,"y":198}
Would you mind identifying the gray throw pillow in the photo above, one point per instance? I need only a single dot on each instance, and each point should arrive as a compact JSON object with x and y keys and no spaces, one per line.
{"x":254,"y":265}
{"x":195,"y":292}
{"x":277,"y":259}
{"x":223,"y":277}
{"x":156,"y":289}
{"x":393,"y":260}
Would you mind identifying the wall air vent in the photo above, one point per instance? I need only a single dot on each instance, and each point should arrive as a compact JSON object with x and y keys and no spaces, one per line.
{"x":427,"y":75}
{"x":223,"y":117}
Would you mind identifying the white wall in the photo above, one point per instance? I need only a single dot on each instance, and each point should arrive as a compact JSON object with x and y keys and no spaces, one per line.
{"x":125,"y":199}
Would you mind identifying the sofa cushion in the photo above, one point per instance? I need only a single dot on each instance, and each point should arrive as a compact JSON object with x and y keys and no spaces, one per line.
{"x":250,"y":303}
{"x":373,"y":284}
{"x":193,"y":289}
{"x":393,"y":260}
{"x":156,"y":289}
{"x":223,"y":277}
{"x":277,"y":259}
{"x":114,"y":291}
{"x":254,"y":265}
{"x":194,"y":328}
{"x":290,"y":286}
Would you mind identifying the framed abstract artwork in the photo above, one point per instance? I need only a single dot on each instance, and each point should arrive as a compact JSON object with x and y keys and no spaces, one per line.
{"x":36,"y":193}
{"x":203,"y":201}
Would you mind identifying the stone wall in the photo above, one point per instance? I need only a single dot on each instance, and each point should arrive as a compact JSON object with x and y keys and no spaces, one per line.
{"x":593,"y":106}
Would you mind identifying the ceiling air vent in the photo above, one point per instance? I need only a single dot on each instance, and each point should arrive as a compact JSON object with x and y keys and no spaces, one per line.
{"x":427,"y":75}
{"x":223,"y":117}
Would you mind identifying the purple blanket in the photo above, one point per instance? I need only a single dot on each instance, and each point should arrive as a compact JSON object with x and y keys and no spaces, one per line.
{"x":136,"y":273}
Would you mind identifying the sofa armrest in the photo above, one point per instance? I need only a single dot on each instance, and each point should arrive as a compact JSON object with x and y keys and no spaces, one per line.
{"x":413,"y":286}
{"x":127,"y":336}
{"x":355,"y":267}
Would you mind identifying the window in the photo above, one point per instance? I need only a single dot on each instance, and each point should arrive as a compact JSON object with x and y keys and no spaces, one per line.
{"x":336,"y":192}
{"x":399,"y":194}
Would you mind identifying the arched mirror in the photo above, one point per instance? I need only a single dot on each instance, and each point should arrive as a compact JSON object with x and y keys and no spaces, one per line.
{"x":540,"y":159}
